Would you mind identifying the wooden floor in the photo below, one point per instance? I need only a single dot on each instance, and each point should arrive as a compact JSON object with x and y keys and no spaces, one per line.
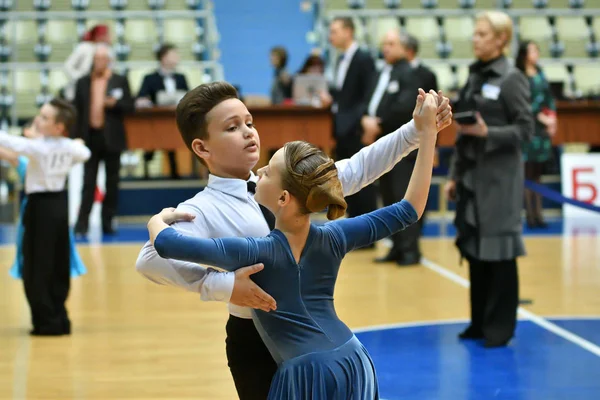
{"x":133,"y":339}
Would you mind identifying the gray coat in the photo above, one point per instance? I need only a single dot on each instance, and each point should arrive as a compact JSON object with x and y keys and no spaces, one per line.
{"x":489,"y":171}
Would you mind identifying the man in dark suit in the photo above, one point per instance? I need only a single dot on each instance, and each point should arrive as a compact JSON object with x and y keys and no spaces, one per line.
{"x":391,"y":103}
{"x":166,"y":82}
{"x":428,"y":81}
{"x":348,"y":98}
{"x":426,"y":77}
{"x":102,"y":99}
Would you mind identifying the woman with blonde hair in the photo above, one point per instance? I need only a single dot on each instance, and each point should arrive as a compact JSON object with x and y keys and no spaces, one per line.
{"x":486,"y":179}
{"x":318,"y":356}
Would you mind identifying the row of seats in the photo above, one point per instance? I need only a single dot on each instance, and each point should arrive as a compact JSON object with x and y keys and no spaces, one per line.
{"x":61,"y":35}
{"x":586,"y":77}
{"x":480,"y":4}
{"x":140,"y":34}
{"x":572,"y":32}
{"x":27,"y":84}
{"x":104,"y":5}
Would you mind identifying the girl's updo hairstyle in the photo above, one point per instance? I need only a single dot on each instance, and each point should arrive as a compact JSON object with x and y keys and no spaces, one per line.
{"x":312,"y":178}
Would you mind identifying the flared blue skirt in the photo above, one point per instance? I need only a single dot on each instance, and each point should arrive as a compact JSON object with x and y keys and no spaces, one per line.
{"x":16,"y":271}
{"x":345,"y":373}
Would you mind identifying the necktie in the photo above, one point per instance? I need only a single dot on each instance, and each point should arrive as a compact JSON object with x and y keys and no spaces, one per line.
{"x":269,"y":217}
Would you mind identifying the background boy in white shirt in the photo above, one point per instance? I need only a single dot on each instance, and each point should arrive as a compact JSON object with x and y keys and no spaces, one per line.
{"x":46,"y":251}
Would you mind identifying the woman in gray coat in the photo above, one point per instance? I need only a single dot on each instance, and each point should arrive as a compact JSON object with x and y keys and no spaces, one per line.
{"x":486,"y":180}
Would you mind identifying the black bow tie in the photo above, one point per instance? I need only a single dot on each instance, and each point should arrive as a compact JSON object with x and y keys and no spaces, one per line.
{"x":269,"y":217}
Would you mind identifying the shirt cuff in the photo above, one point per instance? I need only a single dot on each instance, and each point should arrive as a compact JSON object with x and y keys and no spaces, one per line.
{"x":218,"y":286}
{"x":412,"y":129}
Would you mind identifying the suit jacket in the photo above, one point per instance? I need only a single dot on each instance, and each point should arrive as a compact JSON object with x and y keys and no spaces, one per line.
{"x":426,"y":80}
{"x":426,"y":77}
{"x":154,"y":83}
{"x":114,"y":127}
{"x":352,"y":99}
{"x":398,"y":101}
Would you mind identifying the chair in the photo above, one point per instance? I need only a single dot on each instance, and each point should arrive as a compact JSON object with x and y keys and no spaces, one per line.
{"x":459,"y":31}
{"x":573,"y":32}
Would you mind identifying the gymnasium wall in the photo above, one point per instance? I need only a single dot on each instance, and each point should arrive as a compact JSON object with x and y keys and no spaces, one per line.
{"x":248,"y":30}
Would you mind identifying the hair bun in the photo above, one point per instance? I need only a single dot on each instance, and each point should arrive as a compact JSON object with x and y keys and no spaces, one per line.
{"x":328,"y":195}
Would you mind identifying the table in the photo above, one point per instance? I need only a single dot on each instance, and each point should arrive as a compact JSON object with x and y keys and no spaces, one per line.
{"x":156,"y":129}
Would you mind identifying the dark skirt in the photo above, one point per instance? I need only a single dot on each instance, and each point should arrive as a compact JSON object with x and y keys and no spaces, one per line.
{"x":471,"y":243}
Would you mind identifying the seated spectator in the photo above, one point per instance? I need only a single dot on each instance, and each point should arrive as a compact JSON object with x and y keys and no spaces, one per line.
{"x":165,"y":87}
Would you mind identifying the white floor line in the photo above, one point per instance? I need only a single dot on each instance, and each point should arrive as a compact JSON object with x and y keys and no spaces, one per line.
{"x":536,"y":319}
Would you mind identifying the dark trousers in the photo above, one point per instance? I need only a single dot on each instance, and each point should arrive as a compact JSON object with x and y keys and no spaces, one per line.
{"x":250,"y":363}
{"x":46,"y":258}
{"x":494,"y":298}
{"x":365,"y":200}
{"x":112,"y":163}
{"x":149,"y":155}
{"x":392,"y":187}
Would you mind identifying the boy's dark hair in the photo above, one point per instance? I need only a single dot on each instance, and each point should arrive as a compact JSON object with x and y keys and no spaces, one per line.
{"x":193,"y":107}
{"x":65,"y":113}
{"x":163,"y":50}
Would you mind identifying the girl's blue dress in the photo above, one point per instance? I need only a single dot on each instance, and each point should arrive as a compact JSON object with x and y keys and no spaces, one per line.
{"x":318,"y":356}
{"x":16,"y":271}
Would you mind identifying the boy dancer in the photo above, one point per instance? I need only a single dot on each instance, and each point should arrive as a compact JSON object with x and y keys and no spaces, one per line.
{"x":46,"y":244}
{"x":218,"y":128}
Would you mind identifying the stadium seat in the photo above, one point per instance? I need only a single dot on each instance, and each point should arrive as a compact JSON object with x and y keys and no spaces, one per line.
{"x":140,"y":42}
{"x":176,"y":5}
{"x":194,"y":75}
{"x":556,"y":72}
{"x":573,"y":32}
{"x":587,"y":78}
{"x":27,"y":85}
{"x":181,"y":32}
{"x":380,"y":26}
{"x":136,"y":76}
{"x":444,"y":76}
{"x":538,"y":30}
{"x":62,"y":36}
{"x":427,"y":31}
{"x":459,"y":32}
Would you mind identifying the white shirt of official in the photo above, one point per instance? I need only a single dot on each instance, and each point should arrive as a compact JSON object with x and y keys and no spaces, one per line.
{"x":342,"y":68}
{"x":225,"y":208}
{"x":50,"y":160}
{"x":169,"y":81}
{"x":382,"y":83}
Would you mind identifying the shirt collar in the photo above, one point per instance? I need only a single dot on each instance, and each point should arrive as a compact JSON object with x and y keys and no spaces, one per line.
{"x":348,"y":54}
{"x":231,"y":186}
{"x":496,"y":66}
{"x":164,"y":73}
